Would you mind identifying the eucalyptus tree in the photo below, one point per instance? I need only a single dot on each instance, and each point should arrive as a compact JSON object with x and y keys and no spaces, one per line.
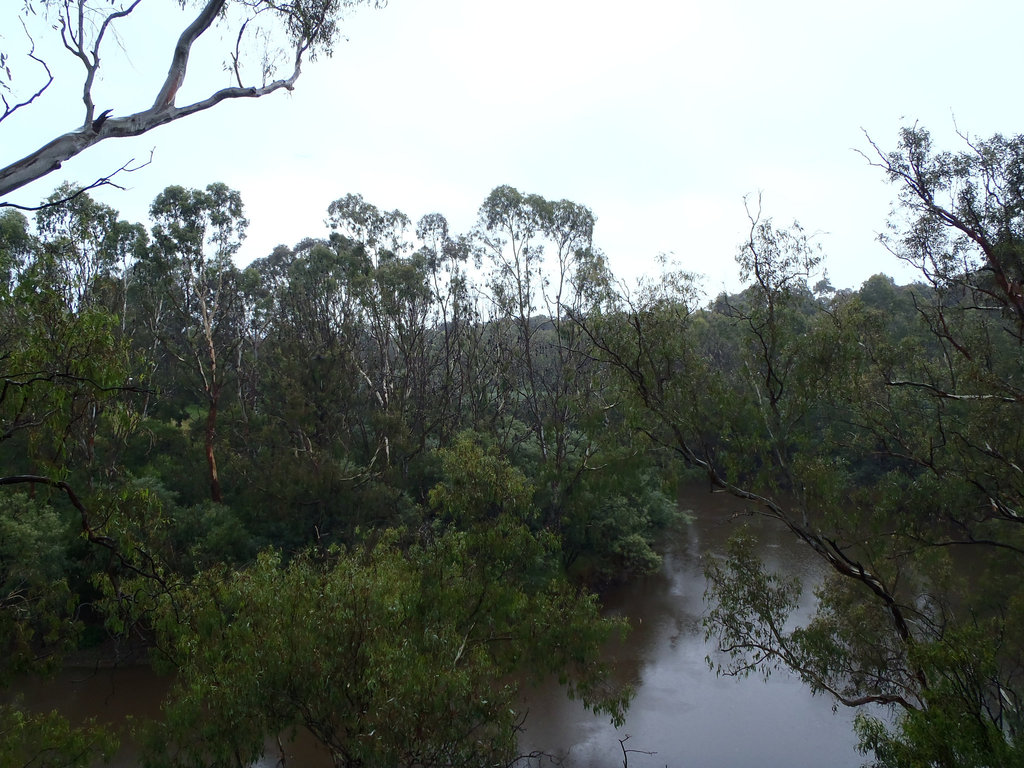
{"x":256,"y":295}
{"x":64,"y":364}
{"x":74,"y":237}
{"x":267,"y":43}
{"x":508,"y":232}
{"x":747,"y":414}
{"x":81,"y":263}
{"x":576,"y":286}
{"x":16,"y":246}
{"x":195,"y":235}
{"x":381,"y":233}
{"x":961,"y":215}
{"x":64,"y":374}
{"x":455,"y":327}
{"x":315,"y":435}
{"x":313,"y":323}
{"x":545,"y":277}
{"x":413,"y":302}
{"x":88,"y":249}
{"x":394,"y":299}
{"x":530,"y":302}
{"x":953,"y":423}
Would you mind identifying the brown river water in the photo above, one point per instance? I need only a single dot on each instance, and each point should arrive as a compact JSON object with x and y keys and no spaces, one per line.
{"x":684,"y":713}
{"x":683,"y":716}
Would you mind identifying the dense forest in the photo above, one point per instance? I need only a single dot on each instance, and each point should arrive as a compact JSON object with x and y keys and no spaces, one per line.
{"x":357,"y":484}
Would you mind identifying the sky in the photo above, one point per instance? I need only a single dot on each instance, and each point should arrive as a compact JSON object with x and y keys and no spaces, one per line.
{"x":661,"y":117}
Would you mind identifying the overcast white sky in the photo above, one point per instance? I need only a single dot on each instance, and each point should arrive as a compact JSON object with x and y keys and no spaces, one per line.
{"x":660,"y":117}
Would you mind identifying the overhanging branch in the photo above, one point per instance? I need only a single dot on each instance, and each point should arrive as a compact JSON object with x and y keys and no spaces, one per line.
{"x":52,"y":155}
{"x":90,"y":533}
{"x":103,"y":181}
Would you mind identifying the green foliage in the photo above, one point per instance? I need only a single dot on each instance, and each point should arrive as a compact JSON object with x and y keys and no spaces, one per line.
{"x":36,"y":608}
{"x":61,"y":370}
{"x":39,"y":623}
{"x":750,"y":610}
{"x":479,"y":486}
{"x":610,"y":523}
{"x":47,"y":741}
{"x":207,"y":533}
{"x":386,"y":657}
{"x":15,"y":247}
{"x":918,"y":491}
{"x":880,"y":428}
{"x":80,"y":246}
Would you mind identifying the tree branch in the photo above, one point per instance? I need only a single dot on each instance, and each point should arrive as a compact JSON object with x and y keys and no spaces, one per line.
{"x":51,"y":156}
{"x":179,"y":60}
{"x":950,"y":395}
{"x":88,"y":530}
{"x":103,"y":181}
{"x":8,"y":109}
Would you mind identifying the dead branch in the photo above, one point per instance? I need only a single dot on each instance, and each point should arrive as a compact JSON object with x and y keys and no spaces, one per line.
{"x":103,"y":181}
{"x":10,"y":110}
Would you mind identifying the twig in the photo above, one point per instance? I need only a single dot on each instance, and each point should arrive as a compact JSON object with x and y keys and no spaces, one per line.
{"x":8,"y":109}
{"x":105,"y":181}
{"x":625,"y":752}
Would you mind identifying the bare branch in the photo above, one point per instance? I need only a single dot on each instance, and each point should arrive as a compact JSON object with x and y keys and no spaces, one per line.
{"x":950,"y":395}
{"x":52,"y":156}
{"x":92,"y":66}
{"x":625,"y":752}
{"x":179,"y":60}
{"x":103,"y":181}
{"x":10,"y":110}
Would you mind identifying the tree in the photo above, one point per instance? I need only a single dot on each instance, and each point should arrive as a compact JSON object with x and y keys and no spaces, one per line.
{"x":387,"y":657}
{"x":962,"y":214}
{"x":878,"y":428}
{"x":47,"y":740}
{"x":393,"y":297}
{"x":532,"y":306}
{"x":88,"y":250}
{"x":454,"y":318}
{"x":913,"y":499}
{"x":16,"y":244}
{"x":195,"y":235}
{"x":308,"y":28}
{"x":61,"y":367}
{"x":64,"y":375}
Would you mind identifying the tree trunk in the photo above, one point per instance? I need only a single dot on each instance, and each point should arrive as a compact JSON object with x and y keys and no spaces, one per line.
{"x":211,"y":461}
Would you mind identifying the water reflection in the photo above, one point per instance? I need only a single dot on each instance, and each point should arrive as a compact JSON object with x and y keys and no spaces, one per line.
{"x":683,"y":711}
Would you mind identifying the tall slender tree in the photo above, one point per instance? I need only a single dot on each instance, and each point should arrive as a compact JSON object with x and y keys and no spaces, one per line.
{"x":195,"y":234}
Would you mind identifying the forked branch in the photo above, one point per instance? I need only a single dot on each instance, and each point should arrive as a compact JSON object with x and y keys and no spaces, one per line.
{"x":306,"y":24}
{"x":10,"y":109}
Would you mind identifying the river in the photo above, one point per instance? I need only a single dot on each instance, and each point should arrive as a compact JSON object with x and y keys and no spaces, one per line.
{"x":683,"y":716}
{"x":684,"y":712}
